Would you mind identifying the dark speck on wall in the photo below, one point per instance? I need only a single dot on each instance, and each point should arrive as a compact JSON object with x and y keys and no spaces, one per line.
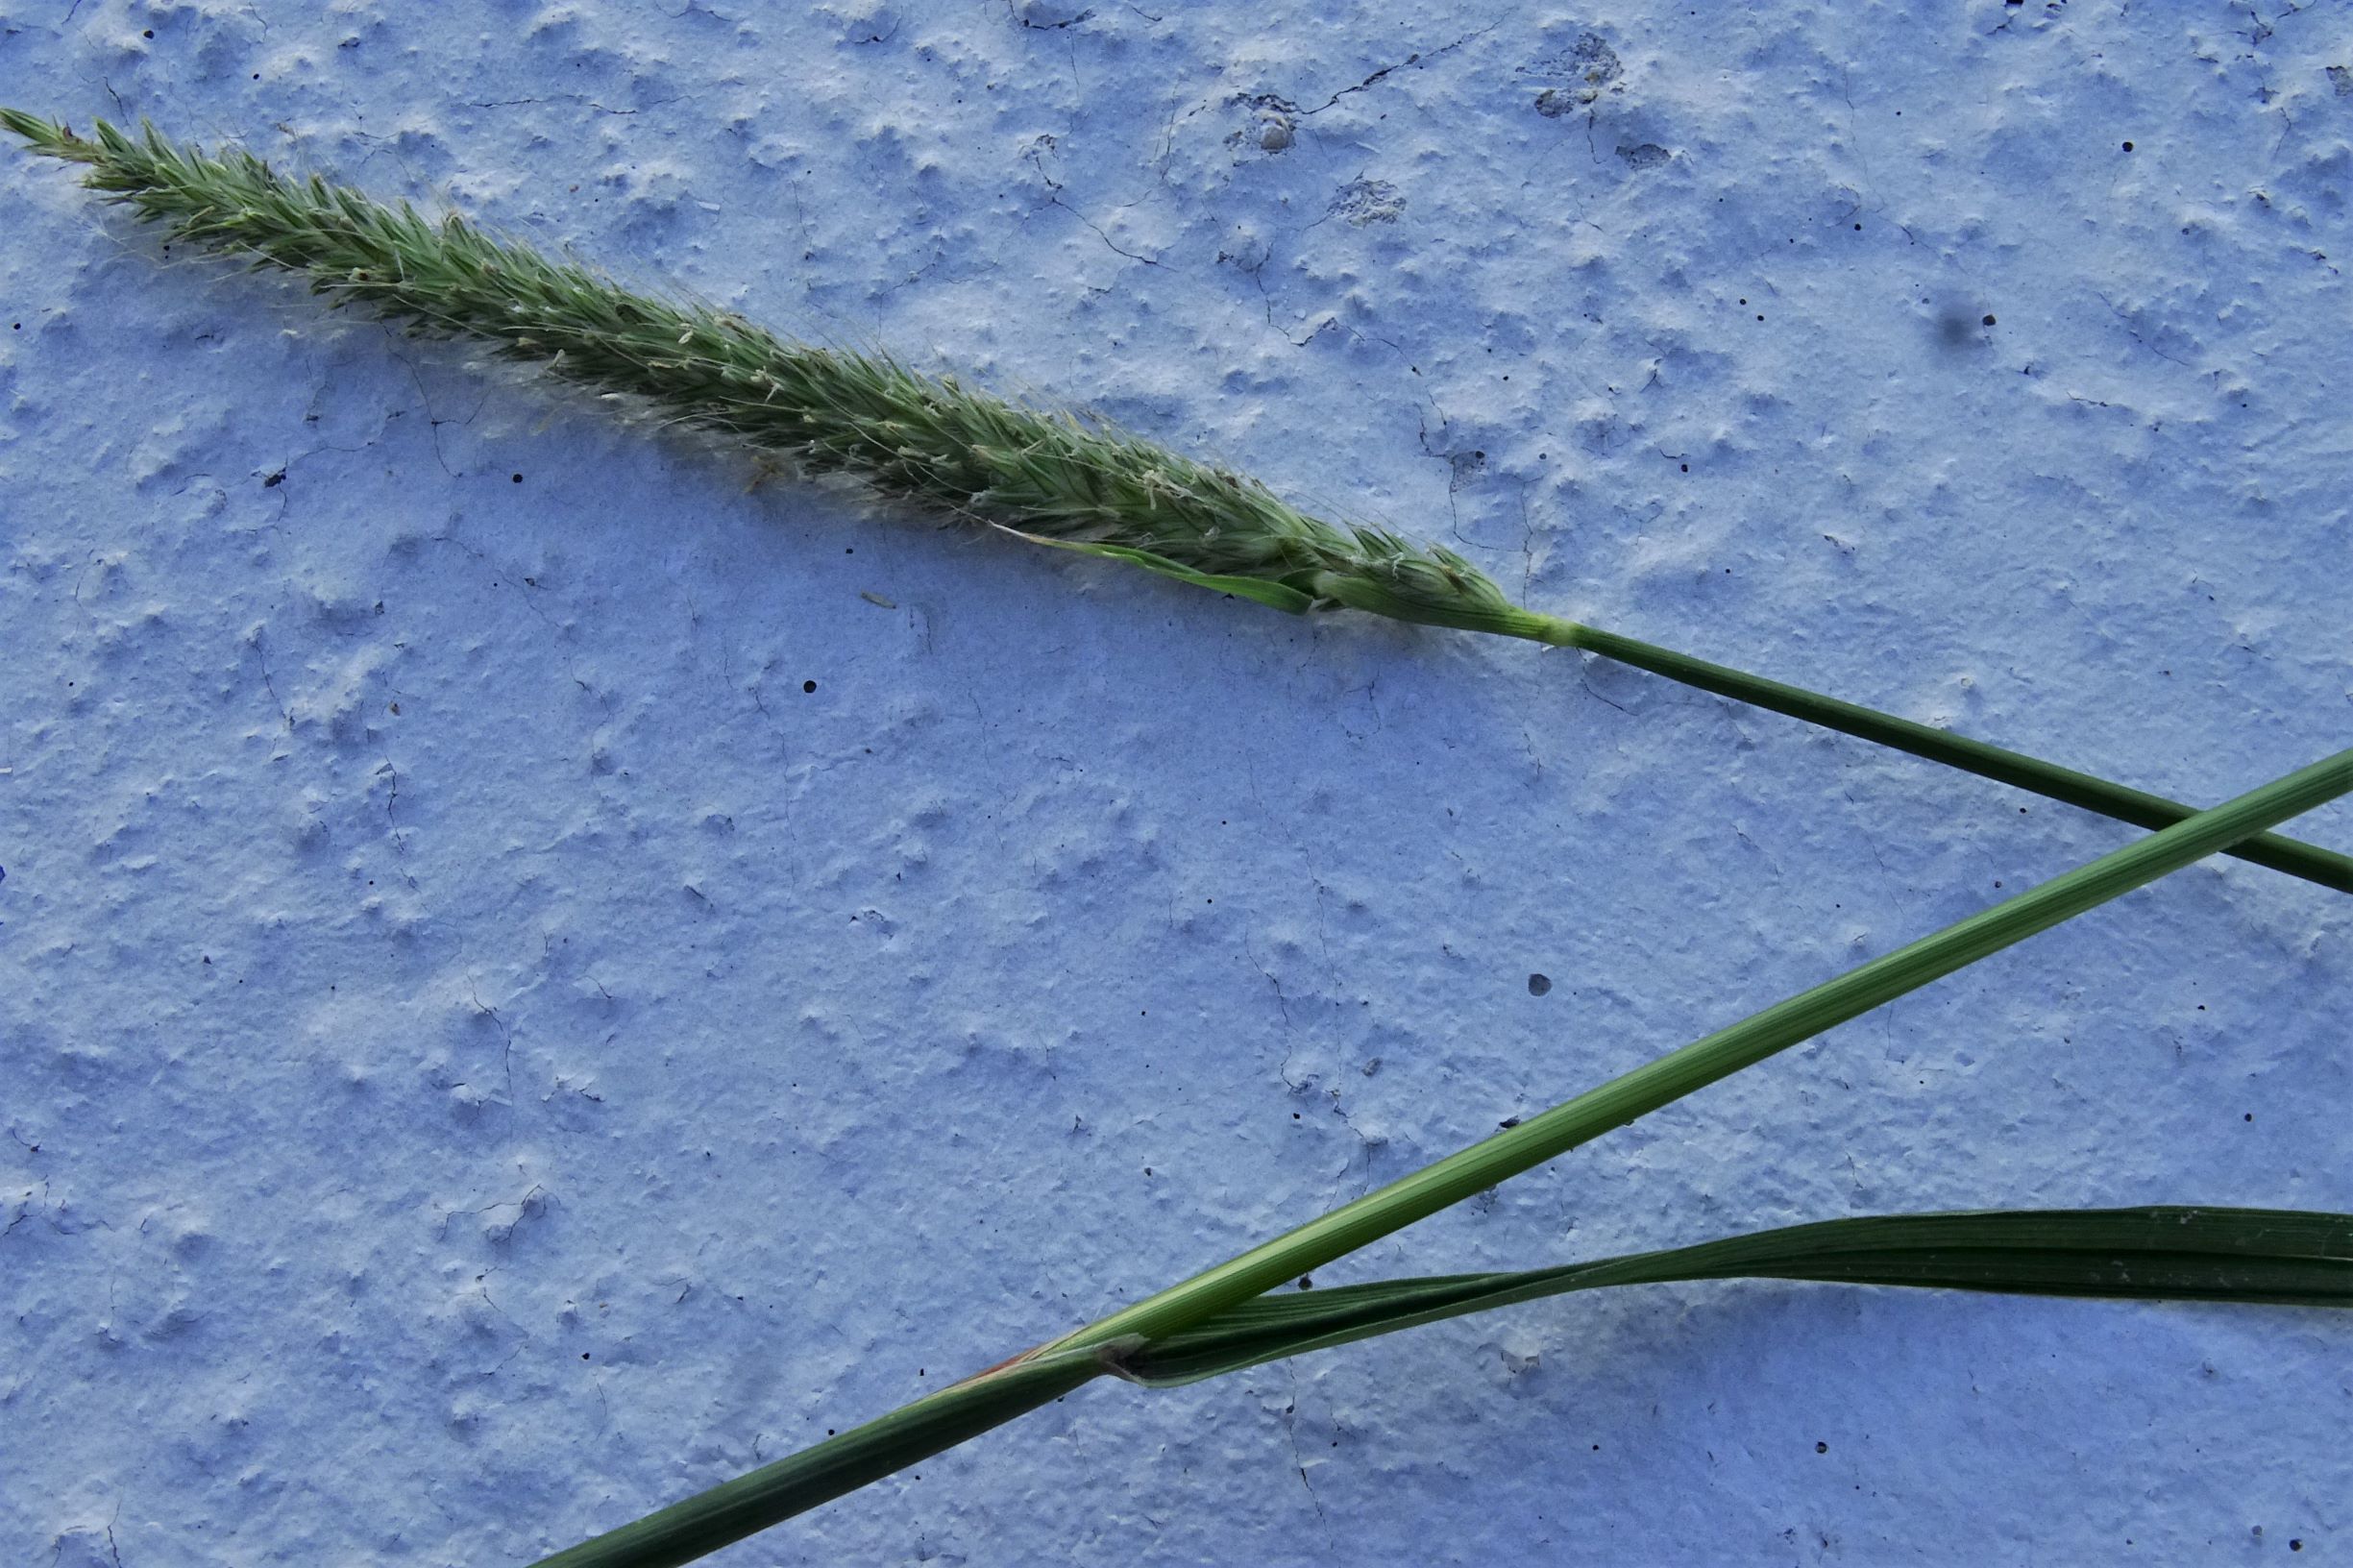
{"x":1539,"y":984}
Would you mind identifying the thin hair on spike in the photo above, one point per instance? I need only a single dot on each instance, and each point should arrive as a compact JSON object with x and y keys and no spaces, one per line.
{"x":1076,"y":481}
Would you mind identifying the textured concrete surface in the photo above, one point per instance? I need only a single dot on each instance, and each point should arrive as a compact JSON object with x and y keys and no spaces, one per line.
{"x":540,"y":967}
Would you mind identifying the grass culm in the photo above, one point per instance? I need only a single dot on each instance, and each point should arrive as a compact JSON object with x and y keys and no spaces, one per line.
{"x":1053,"y":478}
{"x":1080,"y":483}
{"x":1224,"y":1318}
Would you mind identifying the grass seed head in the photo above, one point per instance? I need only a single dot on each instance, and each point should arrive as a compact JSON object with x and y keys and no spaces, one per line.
{"x":1069,"y":477}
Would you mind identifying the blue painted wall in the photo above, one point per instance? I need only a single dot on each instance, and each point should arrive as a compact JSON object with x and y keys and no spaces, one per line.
{"x":541,"y":965}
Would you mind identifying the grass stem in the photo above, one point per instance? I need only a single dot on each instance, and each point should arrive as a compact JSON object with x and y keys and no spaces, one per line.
{"x":794,"y":1484}
{"x":2323,"y":866}
{"x":1694,"y":1066}
{"x":1055,"y":479}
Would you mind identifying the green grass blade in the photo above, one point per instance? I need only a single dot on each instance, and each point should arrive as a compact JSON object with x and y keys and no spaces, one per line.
{"x":801,"y":1481}
{"x":1051,"y":477}
{"x":2267,"y":1256}
{"x":1703,"y":1061}
{"x":2324,"y":866}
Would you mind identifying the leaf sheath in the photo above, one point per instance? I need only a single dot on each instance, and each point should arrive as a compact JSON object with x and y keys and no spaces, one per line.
{"x":2257,"y":1257}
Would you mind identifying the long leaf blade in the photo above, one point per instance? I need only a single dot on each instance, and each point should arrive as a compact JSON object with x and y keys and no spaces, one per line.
{"x":2270,"y":1257}
{"x":1703,"y":1061}
{"x":736,"y":1509}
